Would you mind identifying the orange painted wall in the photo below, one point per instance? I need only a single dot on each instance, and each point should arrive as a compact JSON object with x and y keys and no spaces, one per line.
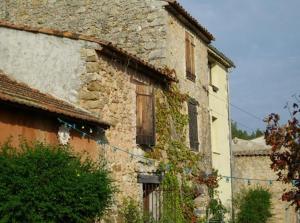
{"x":16,"y":122}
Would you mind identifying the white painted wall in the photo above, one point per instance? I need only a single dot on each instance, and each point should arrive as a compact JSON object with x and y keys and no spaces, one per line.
{"x":48,"y":63}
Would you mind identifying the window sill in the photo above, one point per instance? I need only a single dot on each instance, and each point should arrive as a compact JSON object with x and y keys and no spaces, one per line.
{"x":191,"y":77}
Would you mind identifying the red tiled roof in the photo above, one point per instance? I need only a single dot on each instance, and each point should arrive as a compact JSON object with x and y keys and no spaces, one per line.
{"x":262,"y":152}
{"x":181,"y":11}
{"x":19,"y":93}
{"x":159,"y":72}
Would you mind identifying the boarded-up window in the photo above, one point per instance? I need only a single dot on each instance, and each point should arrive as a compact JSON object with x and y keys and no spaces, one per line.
{"x":145,"y":132}
{"x":190,"y":57}
{"x":193,"y":125}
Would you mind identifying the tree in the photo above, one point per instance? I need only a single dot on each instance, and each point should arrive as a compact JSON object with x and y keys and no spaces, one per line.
{"x":242,"y":134}
{"x":285,"y":156}
{"x":254,"y":206}
{"x":43,"y":183}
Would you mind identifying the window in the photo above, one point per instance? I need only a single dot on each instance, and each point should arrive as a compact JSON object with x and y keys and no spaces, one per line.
{"x":209,"y":73}
{"x":211,"y":83}
{"x":154,"y":194}
{"x":152,"y":200}
{"x":193,"y":125}
{"x":190,"y":57}
{"x":145,"y":132}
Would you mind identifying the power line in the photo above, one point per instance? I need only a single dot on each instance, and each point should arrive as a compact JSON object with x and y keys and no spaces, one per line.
{"x":253,"y":130}
{"x":237,"y":107}
{"x":246,"y":112}
{"x":240,"y":123}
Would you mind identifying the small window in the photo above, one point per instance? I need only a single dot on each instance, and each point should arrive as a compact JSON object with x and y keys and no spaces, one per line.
{"x":193,"y":125}
{"x":145,"y":132}
{"x":214,"y":119}
{"x":153,"y":196}
{"x":190,"y":57}
{"x":209,"y":73}
{"x":211,"y":83}
{"x":152,"y":201}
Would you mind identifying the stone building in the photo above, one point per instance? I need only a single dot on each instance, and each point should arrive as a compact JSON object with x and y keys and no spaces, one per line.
{"x":98,"y":76}
{"x":161,"y":32}
{"x":251,"y":161}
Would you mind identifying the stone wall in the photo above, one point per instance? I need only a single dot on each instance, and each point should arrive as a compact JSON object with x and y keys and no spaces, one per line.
{"x":198,"y":90}
{"x":258,"y":167}
{"x":134,"y":25}
{"x":109,"y":91}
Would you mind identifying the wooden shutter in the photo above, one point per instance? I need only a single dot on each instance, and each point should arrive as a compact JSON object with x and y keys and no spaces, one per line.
{"x":190,"y":56}
{"x":145,"y":132}
{"x":193,"y":126}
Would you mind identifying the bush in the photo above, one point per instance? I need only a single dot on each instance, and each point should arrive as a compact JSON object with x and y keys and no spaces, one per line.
{"x":254,"y":206}
{"x":43,"y":183}
{"x":131,"y":211}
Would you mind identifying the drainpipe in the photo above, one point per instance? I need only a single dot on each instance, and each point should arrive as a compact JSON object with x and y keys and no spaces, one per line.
{"x":230,"y":143}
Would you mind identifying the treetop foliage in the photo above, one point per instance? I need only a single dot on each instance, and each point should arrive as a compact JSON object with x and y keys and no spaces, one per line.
{"x":242,"y":134}
{"x":285,"y":156}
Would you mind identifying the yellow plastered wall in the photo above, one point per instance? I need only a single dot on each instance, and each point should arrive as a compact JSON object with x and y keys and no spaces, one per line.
{"x":220,"y":130}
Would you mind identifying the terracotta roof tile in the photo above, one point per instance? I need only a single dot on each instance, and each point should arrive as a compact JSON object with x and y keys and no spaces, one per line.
{"x":167,"y":74}
{"x":180,"y":10}
{"x":15,"y":92}
{"x":262,"y":152}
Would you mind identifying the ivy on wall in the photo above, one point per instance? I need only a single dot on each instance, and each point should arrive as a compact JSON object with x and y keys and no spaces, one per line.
{"x":181,"y":165}
{"x":171,"y":131}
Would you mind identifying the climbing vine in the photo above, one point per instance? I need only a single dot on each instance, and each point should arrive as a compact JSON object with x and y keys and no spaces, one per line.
{"x":171,"y":130}
{"x":180,"y":164}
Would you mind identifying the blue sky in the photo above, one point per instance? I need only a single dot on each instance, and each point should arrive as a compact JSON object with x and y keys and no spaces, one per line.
{"x":262,"y":37}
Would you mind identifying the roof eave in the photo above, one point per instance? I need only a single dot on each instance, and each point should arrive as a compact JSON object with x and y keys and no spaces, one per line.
{"x":182,"y":15}
{"x":220,"y":57}
{"x":131,"y":60}
{"x":11,"y":100}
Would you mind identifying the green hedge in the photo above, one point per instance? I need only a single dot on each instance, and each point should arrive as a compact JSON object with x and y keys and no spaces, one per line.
{"x":45,"y":183}
{"x":254,"y":206}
